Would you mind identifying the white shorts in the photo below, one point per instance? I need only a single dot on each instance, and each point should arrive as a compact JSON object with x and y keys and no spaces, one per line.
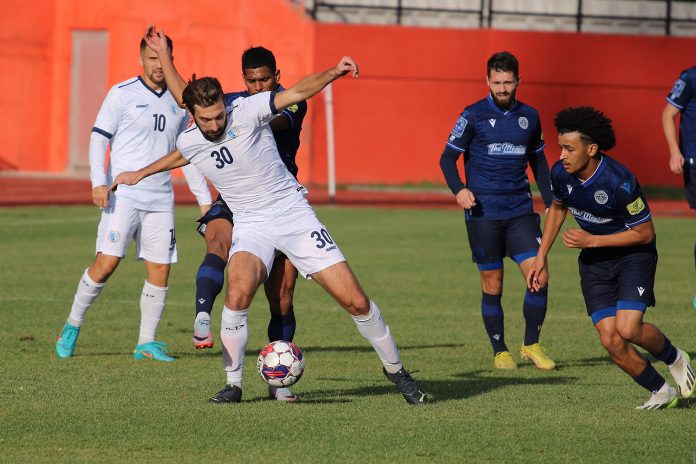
{"x":297,"y":233}
{"x":153,"y":232}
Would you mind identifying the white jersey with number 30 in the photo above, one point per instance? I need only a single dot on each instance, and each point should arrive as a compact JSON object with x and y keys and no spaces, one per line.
{"x":244,"y":164}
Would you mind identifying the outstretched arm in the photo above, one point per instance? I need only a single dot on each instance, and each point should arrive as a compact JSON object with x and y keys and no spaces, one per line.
{"x":176,"y":84}
{"x":676,"y":159}
{"x":166,"y":163}
{"x":311,"y":85}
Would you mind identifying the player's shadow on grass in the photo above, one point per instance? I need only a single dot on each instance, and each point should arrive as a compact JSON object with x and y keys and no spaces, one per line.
{"x":587,"y":362}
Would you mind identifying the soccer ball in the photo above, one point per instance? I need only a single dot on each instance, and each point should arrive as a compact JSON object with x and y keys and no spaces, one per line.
{"x":280,"y":363}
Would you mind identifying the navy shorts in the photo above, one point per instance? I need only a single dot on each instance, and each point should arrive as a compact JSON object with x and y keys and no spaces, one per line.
{"x":493,"y":240}
{"x":219,"y":210}
{"x":690,"y":180}
{"x":612,"y":278}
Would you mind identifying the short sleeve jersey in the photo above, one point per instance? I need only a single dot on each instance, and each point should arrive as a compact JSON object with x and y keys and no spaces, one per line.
{"x":683,"y":97}
{"x":142,"y":126}
{"x":243,"y":164}
{"x":288,"y":141}
{"x":496,"y":144}
{"x":610,"y":201}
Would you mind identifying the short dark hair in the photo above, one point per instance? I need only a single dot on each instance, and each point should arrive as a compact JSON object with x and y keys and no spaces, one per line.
{"x":592,"y":125}
{"x":170,"y":44}
{"x":203,"y":92}
{"x":256,"y":57}
{"x":503,"y":62}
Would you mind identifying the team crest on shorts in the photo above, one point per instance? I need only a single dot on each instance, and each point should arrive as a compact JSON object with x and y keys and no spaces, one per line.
{"x":523,"y":122}
{"x":114,"y":236}
{"x":601,"y":197}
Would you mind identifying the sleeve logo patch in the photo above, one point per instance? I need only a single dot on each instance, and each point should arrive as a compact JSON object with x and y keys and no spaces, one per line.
{"x":636,"y":207}
{"x":293,"y":108}
{"x":459,"y":127}
{"x":678,"y":88}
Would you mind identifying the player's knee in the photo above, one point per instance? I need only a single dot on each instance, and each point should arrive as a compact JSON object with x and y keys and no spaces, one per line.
{"x":218,"y":245}
{"x":237,"y":299}
{"x":359,"y":305}
{"x":629,"y":331}
{"x":103,"y":267}
{"x":613,"y":342}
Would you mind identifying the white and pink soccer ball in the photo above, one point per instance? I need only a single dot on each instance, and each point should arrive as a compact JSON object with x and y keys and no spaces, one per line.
{"x":280,"y":364}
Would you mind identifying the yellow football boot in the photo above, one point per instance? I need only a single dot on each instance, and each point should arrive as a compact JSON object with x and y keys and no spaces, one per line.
{"x":538,"y":356}
{"x":503,"y":360}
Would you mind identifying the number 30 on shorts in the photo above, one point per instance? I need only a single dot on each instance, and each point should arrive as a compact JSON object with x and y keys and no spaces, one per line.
{"x":322,"y":237}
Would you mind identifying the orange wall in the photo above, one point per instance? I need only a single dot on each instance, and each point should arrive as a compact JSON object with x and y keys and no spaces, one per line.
{"x":390,"y":125}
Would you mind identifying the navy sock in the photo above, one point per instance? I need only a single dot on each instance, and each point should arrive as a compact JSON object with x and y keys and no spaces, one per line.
{"x":210,"y":279}
{"x":492,"y":312}
{"x":668,"y":354}
{"x":650,"y":379}
{"x":282,"y":327}
{"x":534,"y":310}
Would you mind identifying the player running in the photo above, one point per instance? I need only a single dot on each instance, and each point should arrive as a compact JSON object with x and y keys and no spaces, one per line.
{"x":140,"y":121}
{"x":618,"y":256}
{"x":500,"y":136}
{"x":234,"y":147}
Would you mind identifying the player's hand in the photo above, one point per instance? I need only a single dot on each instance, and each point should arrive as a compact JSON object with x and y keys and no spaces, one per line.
{"x":577,"y":238}
{"x":676,"y":163}
{"x":466,"y":198}
{"x":100,"y":196}
{"x":538,"y":274}
{"x":155,"y":39}
{"x":204,"y":209}
{"x":126,"y":178}
{"x":346,"y":65}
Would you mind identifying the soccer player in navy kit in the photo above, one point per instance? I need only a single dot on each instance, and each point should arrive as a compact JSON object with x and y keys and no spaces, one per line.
{"x":500,"y":136}
{"x":618,"y":256}
{"x":682,"y":154}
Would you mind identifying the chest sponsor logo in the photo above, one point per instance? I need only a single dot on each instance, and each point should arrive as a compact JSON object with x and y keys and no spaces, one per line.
{"x":492,"y":121}
{"x":506,"y":149}
{"x":523,"y":122}
{"x":588,"y":217}
{"x":142,"y":106}
{"x":570,"y":188}
{"x":233,"y":133}
{"x":635,"y":207}
{"x":678,"y":88}
{"x":601,"y":197}
{"x":459,"y":127}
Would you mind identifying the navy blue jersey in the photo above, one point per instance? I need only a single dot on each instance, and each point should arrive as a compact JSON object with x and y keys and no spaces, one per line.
{"x":683,"y":96}
{"x":288,"y":141}
{"x":498,"y":145}
{"x":610,"y":201}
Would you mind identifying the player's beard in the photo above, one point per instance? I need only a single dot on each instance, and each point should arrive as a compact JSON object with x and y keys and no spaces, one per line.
{"x":213,"y":136}
{"x":508,"y":103}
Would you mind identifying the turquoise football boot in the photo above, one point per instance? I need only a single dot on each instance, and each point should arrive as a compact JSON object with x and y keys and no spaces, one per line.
{"x":66,"y":343}
{"x":152,"y":350}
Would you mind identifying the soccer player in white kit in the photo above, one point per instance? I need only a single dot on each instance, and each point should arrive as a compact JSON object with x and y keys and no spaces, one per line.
{"x":140,"y":120}
{"x":234,"y":148}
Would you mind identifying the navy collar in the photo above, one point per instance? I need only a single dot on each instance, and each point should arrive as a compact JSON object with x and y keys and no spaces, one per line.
{"x":159,"y":94}
{"x":505,"y":112}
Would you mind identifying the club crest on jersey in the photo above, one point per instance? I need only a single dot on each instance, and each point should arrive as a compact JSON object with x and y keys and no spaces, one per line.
{"x":636,"y":207}
{"x":233,"y":133}
{"x":114,"y":236}
{"x":601,"y":197}
{"x":492,"y":121}
{"x":523,"y":122}
{"x":678,"y":88}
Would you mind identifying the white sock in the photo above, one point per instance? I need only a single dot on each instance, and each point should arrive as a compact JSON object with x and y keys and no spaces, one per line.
{"x":152,"y":302}
{"x":234,"y":335}
{"x":87,"y":292}
{"x":372,"y":327}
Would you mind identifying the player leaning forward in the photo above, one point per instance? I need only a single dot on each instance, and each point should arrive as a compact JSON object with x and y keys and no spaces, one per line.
{"x":618,"y":256}
{"x":234,"y":147}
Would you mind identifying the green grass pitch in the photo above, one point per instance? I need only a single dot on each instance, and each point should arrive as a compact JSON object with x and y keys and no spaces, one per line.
{"x":102,"y":406}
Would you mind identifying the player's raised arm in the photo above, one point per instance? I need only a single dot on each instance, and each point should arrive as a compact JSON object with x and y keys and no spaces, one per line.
{"x":157,"y":40}
{"x":166,"y":163}
{"x":311,"y":85}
